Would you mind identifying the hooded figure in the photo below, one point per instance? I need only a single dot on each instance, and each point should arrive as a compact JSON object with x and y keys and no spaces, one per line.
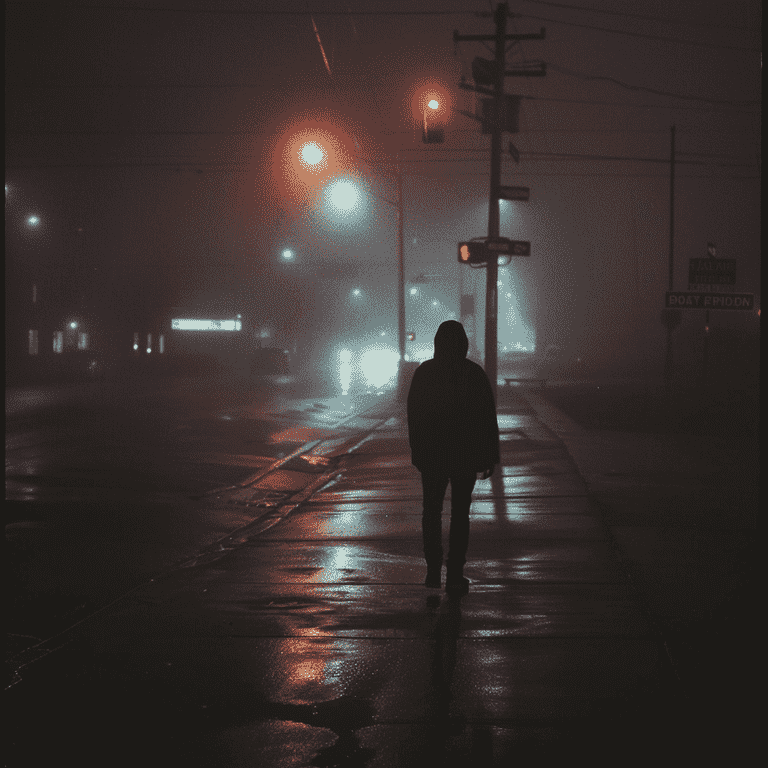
{"x":453,"y":434}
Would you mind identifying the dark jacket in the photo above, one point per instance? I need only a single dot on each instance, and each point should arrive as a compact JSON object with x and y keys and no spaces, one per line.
{"x":451,"y":413}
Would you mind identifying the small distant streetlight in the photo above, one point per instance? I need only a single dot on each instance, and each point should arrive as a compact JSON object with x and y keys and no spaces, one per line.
{"x":414,"y":291}
{"x":356,"y":292}
{"x":287,"y":254}
{"x":33,"y":221}
{"x":73,"y":324}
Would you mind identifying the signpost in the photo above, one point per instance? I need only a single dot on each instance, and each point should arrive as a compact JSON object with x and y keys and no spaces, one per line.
{"x":710,"y":285}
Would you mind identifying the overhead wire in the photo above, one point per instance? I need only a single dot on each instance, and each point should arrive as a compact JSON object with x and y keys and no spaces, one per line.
{"x":643,"y":35}
{"x":640,"y":16}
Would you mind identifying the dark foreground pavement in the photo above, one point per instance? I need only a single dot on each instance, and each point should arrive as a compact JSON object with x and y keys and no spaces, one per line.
{"x":312,"y":640}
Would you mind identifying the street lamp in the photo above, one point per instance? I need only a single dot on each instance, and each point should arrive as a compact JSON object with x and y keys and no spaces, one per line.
{"x":33,"y":221}
{"x":435,"y":135}
{"x":287,"y":254}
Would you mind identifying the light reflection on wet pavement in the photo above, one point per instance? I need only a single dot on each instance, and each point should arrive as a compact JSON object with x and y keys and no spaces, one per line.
{"x":315,"y":642}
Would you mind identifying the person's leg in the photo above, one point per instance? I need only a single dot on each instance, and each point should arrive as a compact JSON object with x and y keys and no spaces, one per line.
{"x":462,"y":484}
{"x":433,"y":485}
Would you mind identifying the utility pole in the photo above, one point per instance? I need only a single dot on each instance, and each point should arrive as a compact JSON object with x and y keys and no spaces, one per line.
{"x":501,"y":119}
{"x":400,"y":279}
{"x":671,"y":318}
{"x":492,"y":275}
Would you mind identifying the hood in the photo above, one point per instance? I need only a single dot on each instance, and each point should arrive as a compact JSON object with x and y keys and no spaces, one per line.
{"x":451,"y":341}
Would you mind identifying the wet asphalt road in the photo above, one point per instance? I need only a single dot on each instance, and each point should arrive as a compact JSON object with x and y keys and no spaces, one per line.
{"x":106,"y":482}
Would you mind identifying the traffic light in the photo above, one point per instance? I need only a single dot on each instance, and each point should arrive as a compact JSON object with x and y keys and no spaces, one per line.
{"x":473,"y":252}
{"x":432,"y":135}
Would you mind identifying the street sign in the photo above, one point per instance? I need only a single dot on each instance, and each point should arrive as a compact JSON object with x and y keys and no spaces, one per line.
{"x":479,"y":251}
{"x":514,"y":193}
{"x":687,"y":300}
{"x":712,"y":271}
{"x":505,"y":246}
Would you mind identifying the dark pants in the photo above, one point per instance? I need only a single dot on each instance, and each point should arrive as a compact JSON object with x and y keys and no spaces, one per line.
{"x":434,"y":485}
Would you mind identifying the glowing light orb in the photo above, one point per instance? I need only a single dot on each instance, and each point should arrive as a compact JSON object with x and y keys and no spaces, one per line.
{"x":433,"y":104}
{"x":378,"y":365}
{"x":287,"y":254}
{"x":33,"y":221}
{"x":312,"y":153}
{"x":344,"y":195}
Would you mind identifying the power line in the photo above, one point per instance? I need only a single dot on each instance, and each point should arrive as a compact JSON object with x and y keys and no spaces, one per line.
{"x":173,"y":167}
{"x":675,"y":40}
{"x":628,"y":86}
{"x":124,"y":86}
{"x":236,"y":11}
{"x":641,"y":16}
{"x":532,"y":156}
{"x":674,"y":107}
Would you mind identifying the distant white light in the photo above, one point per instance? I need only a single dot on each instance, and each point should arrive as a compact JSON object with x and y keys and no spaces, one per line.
{"x":414,"y":291}
{"x":433,"y":104}
{"x":356,"y":292}
{"x":33,"y":221}
{"x":379,"y":365}
{"x":383,"y":333}
{"x":73,"y":324}
{"x":135,"y":346}
{"x":434,"y":303}
{"x":149,"y":349}
{"x":179,"y":324}
{"x":287,"y":254}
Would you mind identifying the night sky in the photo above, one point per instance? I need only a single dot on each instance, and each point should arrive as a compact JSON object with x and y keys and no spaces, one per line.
{"x":150,"y":138}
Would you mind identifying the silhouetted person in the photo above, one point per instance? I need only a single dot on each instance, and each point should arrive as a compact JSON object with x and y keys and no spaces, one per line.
{"x":454,"y":435}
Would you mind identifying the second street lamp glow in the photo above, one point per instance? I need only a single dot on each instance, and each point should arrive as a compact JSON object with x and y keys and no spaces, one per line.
{"x":433,"y":104}
{"x":344,"y":195}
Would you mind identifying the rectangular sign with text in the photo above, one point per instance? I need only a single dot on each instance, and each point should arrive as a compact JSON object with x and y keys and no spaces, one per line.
{"x":712,"y":271}
{"x":686,"y":300}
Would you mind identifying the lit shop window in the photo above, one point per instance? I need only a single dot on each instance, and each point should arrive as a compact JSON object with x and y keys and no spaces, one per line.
{"x":58,"y":342}
{"x":82,"y":340}
{"x":182,"y":324}
{"x":33,"y":342}
{"x":161,"y":341}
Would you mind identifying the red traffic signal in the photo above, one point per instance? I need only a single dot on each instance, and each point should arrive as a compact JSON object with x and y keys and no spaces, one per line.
{"x":474,"y":252}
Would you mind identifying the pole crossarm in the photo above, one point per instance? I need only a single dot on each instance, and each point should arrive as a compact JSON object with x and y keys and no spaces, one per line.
{"x":457,"y":38}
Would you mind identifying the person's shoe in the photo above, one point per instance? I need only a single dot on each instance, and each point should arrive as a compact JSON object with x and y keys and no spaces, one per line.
{"x":433,"y":579}
{"x":457,"y":586}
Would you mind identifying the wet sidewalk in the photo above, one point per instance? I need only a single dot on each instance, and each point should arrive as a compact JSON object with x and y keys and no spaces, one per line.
{"x":314,"y":642}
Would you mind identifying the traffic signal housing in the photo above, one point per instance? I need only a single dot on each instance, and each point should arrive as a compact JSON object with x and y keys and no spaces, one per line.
{"x":473,"y":252}
{"x":432,"y":135}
